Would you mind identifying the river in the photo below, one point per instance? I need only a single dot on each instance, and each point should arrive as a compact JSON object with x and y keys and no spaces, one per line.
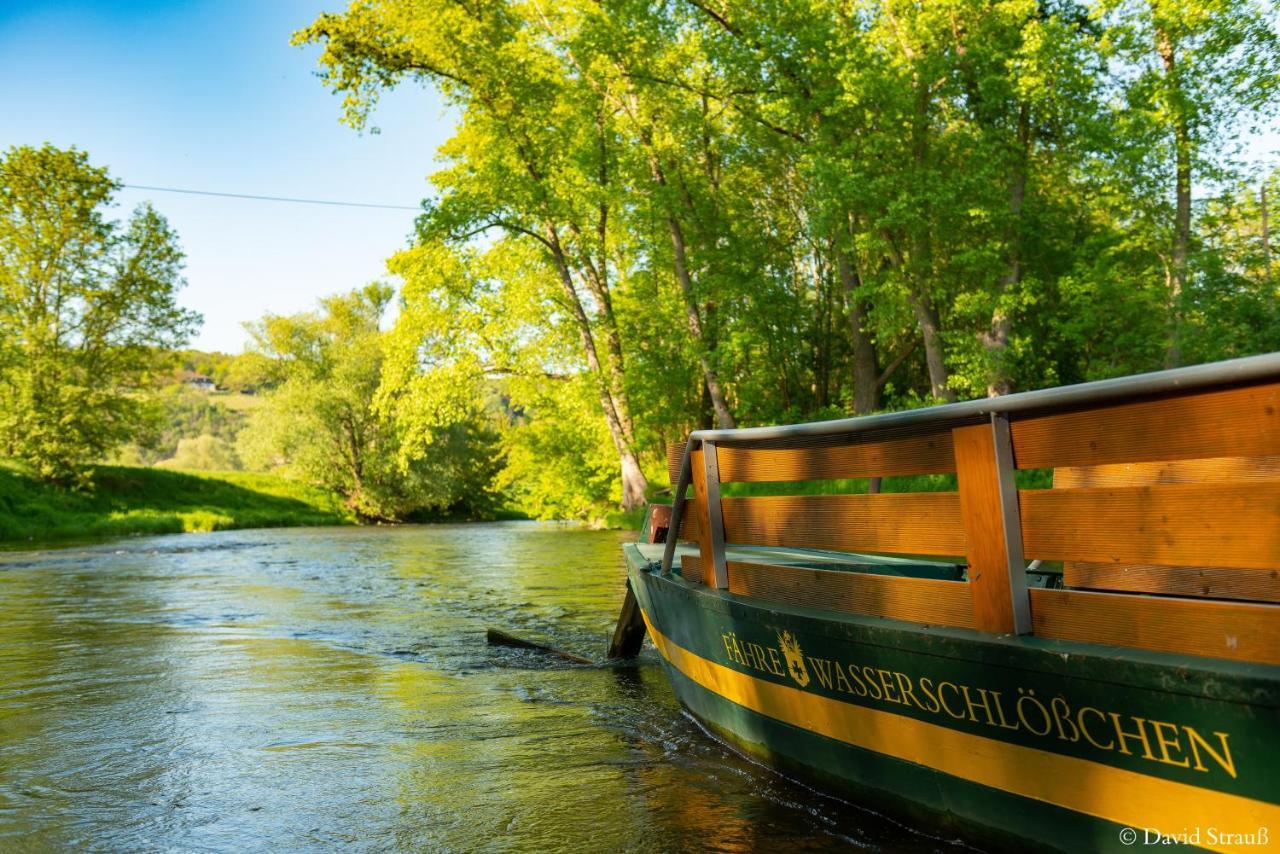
{"x":331,"y":687}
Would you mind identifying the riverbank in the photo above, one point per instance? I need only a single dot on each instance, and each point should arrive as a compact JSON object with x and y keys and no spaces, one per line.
{"x":127,"y":500}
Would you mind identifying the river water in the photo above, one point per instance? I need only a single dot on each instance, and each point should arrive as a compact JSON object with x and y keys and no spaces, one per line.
{"x":324,"y":688}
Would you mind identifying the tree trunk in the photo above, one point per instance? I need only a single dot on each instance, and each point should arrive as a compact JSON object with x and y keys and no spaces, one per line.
{"x":634,"y":484}
{"x":696,"y":328}
{"x":996,"y":338}
{"x":1182,"y":194}
{"x":866,"y":388}
{"x":723,"y":417}
{"x":930,"y":327}
{"x":1181,"y":241}
{"x":927,"y":317}
{"x":615,"y":368}
{"x":920,"y":265}
{"x":706,"y":413}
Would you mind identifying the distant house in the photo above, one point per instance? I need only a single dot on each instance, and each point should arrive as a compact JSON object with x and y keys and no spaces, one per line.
{"x":199,"y":382}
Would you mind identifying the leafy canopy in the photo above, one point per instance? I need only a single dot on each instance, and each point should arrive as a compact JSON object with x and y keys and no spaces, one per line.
{"x":87,"y":304}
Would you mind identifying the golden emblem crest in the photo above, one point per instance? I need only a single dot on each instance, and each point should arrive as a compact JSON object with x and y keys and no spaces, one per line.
{"x":795,"y":658}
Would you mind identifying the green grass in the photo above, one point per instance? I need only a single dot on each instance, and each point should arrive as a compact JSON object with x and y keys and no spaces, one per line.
{"x":125,"y":500}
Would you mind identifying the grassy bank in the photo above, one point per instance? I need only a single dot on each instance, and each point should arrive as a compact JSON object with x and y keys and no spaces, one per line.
{"x":126,"y":500}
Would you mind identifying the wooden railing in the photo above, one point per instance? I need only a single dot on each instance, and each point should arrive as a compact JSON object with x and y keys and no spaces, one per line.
{"x":1165,"y":511}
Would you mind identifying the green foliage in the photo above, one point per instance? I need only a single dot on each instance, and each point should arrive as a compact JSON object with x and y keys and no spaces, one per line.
{"x":202,"y":453}
{"x":86,"y":305}
{"x":179,"y":413}
{"x":245,"y":372}
{"x":559,"y":463}
{"x":656,"y":217}
{"x":120,"y":500}
{"x":319,"y":423}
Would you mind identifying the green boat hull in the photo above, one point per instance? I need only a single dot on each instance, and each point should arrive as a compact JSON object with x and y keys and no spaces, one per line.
{"x":1008,"y":741}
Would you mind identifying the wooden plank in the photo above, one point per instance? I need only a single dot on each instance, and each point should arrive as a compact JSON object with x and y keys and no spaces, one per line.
{"x":691,"y":569}
{"x":989,"y":514}
{"x":1236,"y":422}
{"x":1225,"y":524}
{"x":921,"y":523}
{"x":675,"y":455}
{"x":1236,"y":630}
{"x":920,"y":600}
{"x":699,"y":478}
{"x":1199,"y":581}
{"x":689,"y":526}
{"x":923,"y":454}
{"x":1212,"y":469}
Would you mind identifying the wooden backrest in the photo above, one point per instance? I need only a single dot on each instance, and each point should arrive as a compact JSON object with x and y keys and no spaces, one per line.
{"x":1213,"y":581}
{"x":1176,"y":494}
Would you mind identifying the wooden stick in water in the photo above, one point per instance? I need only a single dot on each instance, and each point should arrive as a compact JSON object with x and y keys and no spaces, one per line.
{"x":628,"y":634}
{"x":497,"y":637}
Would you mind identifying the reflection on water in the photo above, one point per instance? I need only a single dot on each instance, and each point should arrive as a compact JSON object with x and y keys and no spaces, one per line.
{"x":325,"y":687}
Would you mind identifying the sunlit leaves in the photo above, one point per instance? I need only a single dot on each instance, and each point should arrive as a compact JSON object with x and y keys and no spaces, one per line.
{"x":86,"y":305}
{"x":640,"y":196}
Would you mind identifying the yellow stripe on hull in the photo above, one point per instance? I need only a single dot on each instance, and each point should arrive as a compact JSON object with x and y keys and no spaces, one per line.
{"x":1112,"y":794}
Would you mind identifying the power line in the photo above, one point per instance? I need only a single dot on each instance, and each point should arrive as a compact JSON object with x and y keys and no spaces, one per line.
{"x":272,"y":198}
{"x":289,"y":199}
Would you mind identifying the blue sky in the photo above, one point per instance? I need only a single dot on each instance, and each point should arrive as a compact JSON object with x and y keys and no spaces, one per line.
{"x":210,"y":96}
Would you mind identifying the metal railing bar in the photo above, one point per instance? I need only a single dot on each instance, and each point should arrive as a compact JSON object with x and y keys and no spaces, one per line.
{"x":1249,"y":369}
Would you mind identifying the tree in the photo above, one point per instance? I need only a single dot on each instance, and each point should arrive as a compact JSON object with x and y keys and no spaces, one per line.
{"x":319,"y":422}
{"x":86,"y":306}
{"x":685,"y":214}
{"x":202,"y":453}
{"x":513,"y":172}
{"x":1200,"y":70}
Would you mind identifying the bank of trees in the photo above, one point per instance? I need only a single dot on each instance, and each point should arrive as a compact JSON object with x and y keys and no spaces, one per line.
{"x":658,"y":216}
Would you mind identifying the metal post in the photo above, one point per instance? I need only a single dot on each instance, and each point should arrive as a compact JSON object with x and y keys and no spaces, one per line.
{"x":677,"y":511}
{"x":715,"y":515}
{"x":1012,"y":524}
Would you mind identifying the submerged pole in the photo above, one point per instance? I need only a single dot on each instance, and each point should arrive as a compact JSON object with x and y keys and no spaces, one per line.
{"x":628,"y":634}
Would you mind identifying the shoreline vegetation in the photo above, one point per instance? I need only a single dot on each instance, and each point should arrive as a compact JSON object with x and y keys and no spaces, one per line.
{"x":127,"y":500}
{"x":766,"y":216}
